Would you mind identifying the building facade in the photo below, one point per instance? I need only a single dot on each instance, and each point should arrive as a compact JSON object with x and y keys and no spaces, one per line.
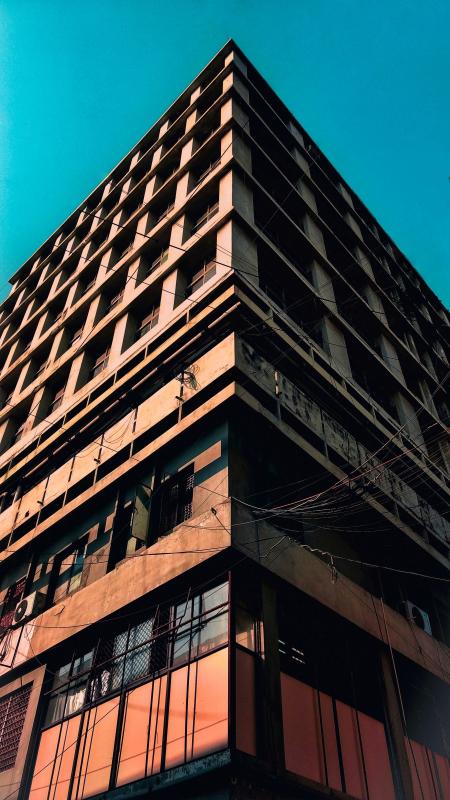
{"x":224,"y":480}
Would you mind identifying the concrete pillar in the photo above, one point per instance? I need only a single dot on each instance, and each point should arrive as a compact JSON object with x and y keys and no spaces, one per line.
{"x":234,"y":58}
{"x":427,"y":397}
{"x":232,"y":145}
{"x":323,"y":284}
{"x":334,"y":341}
{"x":179,"y":233}
{"x":187,"y":152}
{"x":25,"y":376}
{"x":234,"y":81}
{"x":307,"y":194}
{"x":164,"y":127}
{"x":301,"y":160}
{"x":363,"y":261}
{"x":73,"y":295}
{"x":314,"y":233}
{"x":353,"y":224}
{"x":428,"y":361}
{"x":96,"y":311}
{"x":297,"y":134}
{"x":231,"y":110}
{"x":78,"y":374}
{"x":345,"y":193}
{"x":236,"y":249}
{"x":191,"y":120}
{"x":126,"y":188}
{"x":172,"y":294}
{"x":39,"y":406}
{"x":84,"y":257}
{"x":122,"y":339}
{"x":157,"y":155}
{"x":151,"y":187}
{"x":144,"y":225}
{"x":374,"y":301}
{"x":195,"y":94}
{"x":390,"y":357}
{"x":29,"y":311}
{"x":107,"y":188}
{"x":13,"y":355}
{"x":59,"y":345}
{"x":408,"y":417}
{"x":184,"y":187}
{"x":233,"y":193}
{"x":135,"y":158}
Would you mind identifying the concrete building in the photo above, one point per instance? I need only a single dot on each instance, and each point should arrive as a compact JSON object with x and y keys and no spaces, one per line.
{"x":224,"y":475}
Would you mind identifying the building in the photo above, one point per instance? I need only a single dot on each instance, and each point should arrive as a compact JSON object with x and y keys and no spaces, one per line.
{"x":224,"y":474}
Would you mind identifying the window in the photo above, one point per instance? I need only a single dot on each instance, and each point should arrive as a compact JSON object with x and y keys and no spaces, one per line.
{"x":213,"y":164}
{"x":115,"y":300}
{"x":163,"y":256}
{"x":210,"y":212}
{"x":176,"y":499}
{"x":90,"y":284}
{"x":68,"y":571}
{"x":148,"y":322}
{"x":100,"y":363}
{"x":57,"y":399}
{"x":12,"y":598}
{"x":199,"y":278}
{"x":13,"y":708}
{"x":164,"y":213}
{"x":18,"y":433}
{"x":76,"y":335}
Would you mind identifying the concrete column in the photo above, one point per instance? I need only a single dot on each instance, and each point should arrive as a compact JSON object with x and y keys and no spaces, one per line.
{"x":157,"y":155}
{"x":363,"y":261}
{"x":390,"y":357}
{"x":233,"y":80}
{"x":84,"y":257}
{"x":121,"y":340}
{"x":236,"y":249}
{"x":314,"y":233}
{"x":107,"y":188}
{"x":233,"y":193}
{"x":234,"y":58}
{"x":232,"y":110}
{"x":134,"y":160}
{"x":29,"y":311}
{"x":428,"y":361}
{"x":233,"y":146}
{"x":334,"y":341}
{"x":427,"y":397}
{"x":180,"y":232}
{"x":187,"y":152}
{"x":132,"y":277}
{"x":23,"y":380}
{"x":374,"y":301}
{"x":353,"y":224}
{"x":172,"y":294}
{"x":151,"y":187}
{"x":143,"y":226}
{"x":115,"y":226}
{"x":191,"y":120}
{"x":73,"y":295}
{"x":184,"y":187}
{"x":196,"y":93}
{"x":272,"y":717}
{"x":78,"y":374}
{"x":346,"y":194}
{"x":21,"y":296}
{"x":126,"y":188}
{"x":307,"y":194}
{"x":13,"y":355}
{"x":164,"y":127}
{"x":408,"y":417}
{"x":297,"y":134}
{"x":39,"y":406}
{"x":301,"y":160}
{"x":59,"y":345}
{"x":44,"y":323}
{"x":323,"y":284}
{"x":96,"y":311}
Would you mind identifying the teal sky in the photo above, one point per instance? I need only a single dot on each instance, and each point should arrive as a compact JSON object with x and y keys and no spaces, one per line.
{"x":82,"y":80}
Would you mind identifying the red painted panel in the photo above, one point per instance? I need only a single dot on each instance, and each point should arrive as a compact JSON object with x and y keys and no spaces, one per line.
{"x":211,"y":704}
{"x":443,"y":771}
{"x":329,"y":735}
{"x":351,"y":751}
{"x":141,"y":725}
{"x":376,"y":758}
{"x":423,"y":785}
{"x":301,"y":727}
{"x":245,"y":702}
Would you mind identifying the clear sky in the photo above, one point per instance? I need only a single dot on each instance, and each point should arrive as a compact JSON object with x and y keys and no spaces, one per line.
{"x":82,"y":80}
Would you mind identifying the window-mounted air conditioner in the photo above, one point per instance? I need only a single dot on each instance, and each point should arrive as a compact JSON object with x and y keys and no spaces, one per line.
{"x":29,"y":607}
{"x":418,"y":616}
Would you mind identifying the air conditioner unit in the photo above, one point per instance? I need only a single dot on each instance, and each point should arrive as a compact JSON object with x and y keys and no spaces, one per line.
{"x":29,"y":607}
{"x":418,"y":616}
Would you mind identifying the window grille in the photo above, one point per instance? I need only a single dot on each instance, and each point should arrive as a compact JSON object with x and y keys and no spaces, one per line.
{"x":206,"y":216}
{"x":100,"y":363}
{"x":207,"y":271}
{"x":116,"y":300}
{"x":13,"y":708}
{"x":57,"y":400}
{"x":12,"y":598}
{"x":163,"y":256}
{"x":148,"y":322}
{"x":176,"y":499}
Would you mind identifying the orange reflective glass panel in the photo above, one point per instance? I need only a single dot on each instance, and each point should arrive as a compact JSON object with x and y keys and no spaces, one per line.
{"x":351,"y":750}
{"x":176,"y":726}
{"x":211,"y":704}
{"x":54,"y":761}
{"x":421,"y":772}
{"x":140,"y":749}
{"x":330,"y":744}
{"x":376,"y":758}
{"x":94,"y":760}
{"x":245,"y":702}
{"x":301,"y":726}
